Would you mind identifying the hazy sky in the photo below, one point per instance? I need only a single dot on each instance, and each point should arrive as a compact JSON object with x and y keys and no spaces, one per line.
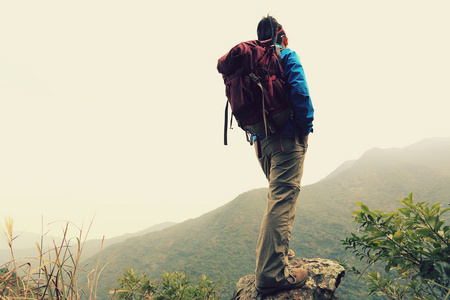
{"x":115,"y":108}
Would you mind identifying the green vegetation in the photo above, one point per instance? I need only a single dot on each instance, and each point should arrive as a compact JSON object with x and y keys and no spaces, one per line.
{"x":412,"y":241}
{"x":173,"y":286}
{"x":221,"y":243}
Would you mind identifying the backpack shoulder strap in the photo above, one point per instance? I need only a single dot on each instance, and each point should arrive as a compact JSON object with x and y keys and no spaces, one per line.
{"x":278,"y":52}
{"x":225,"y":136}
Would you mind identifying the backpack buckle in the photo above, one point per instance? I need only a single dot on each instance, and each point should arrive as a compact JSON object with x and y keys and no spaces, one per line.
{"x":254,"y":78}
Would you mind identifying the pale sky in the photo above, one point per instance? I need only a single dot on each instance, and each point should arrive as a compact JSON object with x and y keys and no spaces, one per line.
{"x":116,"y":108}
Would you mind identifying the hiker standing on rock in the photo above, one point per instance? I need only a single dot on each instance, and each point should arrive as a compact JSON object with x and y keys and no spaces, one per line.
{"x":267,"y":92}
{"x":282,"y":162}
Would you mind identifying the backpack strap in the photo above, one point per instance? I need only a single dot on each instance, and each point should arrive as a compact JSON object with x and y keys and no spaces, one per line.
{"x":278,"y":52}
{"x":258,"y":147}
{"x":225,"y":130}
{"x":258,"y":82}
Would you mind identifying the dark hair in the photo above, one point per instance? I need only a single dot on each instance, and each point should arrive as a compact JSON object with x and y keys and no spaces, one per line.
{"x":268,"y":28}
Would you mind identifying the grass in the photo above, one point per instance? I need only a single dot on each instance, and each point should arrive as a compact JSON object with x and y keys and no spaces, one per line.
{"x":53,"y":273}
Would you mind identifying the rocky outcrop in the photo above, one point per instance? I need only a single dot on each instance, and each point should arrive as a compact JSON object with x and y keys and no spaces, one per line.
{"x":324,"y":277}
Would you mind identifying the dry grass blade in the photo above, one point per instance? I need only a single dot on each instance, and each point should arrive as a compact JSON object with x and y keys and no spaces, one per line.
{"x":7,"y":231}
{"x":55,"y":274}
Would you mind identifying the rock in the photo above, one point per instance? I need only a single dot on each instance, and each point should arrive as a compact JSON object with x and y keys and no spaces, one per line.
{"x":324,"y":277}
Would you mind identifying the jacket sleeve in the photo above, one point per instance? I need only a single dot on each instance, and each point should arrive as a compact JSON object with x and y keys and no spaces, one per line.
{"x":299,"y":93}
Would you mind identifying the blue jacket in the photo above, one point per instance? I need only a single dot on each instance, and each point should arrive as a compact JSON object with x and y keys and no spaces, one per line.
{"x":300,"y":99}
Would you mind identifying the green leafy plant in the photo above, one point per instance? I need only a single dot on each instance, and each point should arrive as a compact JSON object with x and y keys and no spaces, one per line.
{"x":411,"y":244}
{"x":172,"y":286}
{"x":133,"y":286}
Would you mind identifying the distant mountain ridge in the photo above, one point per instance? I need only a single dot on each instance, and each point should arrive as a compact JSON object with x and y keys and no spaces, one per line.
{"x":24,"y":241}
{"x":346,"y":165}
{"x":222,"y":242}
{"x":429,"y":152}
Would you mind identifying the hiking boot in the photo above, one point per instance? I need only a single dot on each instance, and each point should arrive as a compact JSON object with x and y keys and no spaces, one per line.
{"x":296,"y":279}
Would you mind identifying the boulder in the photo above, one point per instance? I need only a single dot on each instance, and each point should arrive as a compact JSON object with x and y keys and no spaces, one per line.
{"x":324,"y":277}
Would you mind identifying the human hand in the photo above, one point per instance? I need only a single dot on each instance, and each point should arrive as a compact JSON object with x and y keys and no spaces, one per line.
{"x":305,"y":140}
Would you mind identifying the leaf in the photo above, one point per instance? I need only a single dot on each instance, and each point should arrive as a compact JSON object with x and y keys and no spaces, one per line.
{"x":432,"y":220}
{"x":438,"y":225}
{"x":447,"y":232}
{"x":444,"y":210}
{"x":359,"y":203}
{"x":398,"y":236}
{"x":436,"y":251}
{"x":388,"y":267}
{"x":365,"y":209}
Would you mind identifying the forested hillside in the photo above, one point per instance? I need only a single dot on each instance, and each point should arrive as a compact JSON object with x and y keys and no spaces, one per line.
{"x":222,"y":242}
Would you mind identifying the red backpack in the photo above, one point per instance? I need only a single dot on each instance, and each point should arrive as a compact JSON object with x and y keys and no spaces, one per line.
{"x":255,"y":88}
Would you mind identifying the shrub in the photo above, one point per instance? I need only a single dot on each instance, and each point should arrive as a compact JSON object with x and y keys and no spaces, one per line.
{"x":412,"y":241}
{"x":174,"y":285}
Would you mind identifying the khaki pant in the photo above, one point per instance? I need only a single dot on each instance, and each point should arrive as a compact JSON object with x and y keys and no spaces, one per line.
{"x":283,"y":169}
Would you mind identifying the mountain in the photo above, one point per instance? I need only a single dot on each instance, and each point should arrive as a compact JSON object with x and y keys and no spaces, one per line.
{"x":24,"y":240}
{"x":92,"y":247}
{"x":222,"y":242}
{"x":341,"y":168}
